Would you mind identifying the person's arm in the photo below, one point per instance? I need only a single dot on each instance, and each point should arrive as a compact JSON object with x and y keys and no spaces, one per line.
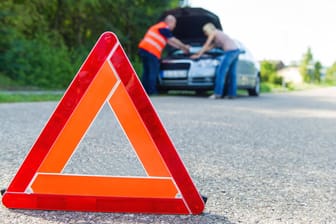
{"x":173,"y":41}
{"x":208,"y":45}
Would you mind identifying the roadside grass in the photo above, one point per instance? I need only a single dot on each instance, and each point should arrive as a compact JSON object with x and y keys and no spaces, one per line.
{"x":28,"y":97}
{"x":11,"y":92}
{"x":289,"y":87}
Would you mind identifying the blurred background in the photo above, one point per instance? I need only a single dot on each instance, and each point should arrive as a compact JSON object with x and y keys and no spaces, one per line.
{"x":43,"y":43}
{"x":293,"y":40}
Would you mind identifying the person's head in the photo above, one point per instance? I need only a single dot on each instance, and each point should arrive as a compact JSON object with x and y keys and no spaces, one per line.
{"x":171,"y":21}
{"x":209,"y":28}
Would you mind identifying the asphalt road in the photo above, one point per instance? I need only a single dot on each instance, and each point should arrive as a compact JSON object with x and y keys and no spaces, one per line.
{"x":270,"y":159}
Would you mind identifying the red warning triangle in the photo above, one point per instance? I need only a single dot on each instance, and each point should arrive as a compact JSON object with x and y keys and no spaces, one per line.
{"x":106,"y":76}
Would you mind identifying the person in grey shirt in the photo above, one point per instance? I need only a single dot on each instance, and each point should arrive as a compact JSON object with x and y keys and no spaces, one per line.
{"x":228,"y":61}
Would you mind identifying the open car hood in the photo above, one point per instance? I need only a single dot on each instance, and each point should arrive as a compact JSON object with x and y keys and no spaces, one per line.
{"x":190,"y":22}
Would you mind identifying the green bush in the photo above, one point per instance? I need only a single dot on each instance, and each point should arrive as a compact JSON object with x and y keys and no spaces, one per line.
{"x":330,"y":81}
{"x":269,"y":72}
{"x":265,"y":88}
{"x":43,"y":62}
{"x":137,"y":65}
{"x":267,"y":69}
{"x":330,"y":78}
{"x":7,"y":83}
{"x":290,"y":86}
{"x":274,"y":78}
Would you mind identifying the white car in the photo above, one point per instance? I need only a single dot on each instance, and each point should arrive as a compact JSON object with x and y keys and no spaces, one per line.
{"x":179,"y":72}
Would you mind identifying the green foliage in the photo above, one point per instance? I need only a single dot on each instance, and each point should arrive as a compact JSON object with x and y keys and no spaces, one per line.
{"x":290,"y":86}
{"x":317,"y":72}
{"x":38,"y":62}
{"x":267,"y":68}
{"x":307,"y":59}
{"x":331,"y":75}
{"x":7,"y":83}
{"x":268,"y":71}
{"x":310,"y":69}
{"x":26,"y":97}
{"x":276,"y":79}
{"x":137,"y":65}
{"x":265,"y":88}
{"x":43,"y":43}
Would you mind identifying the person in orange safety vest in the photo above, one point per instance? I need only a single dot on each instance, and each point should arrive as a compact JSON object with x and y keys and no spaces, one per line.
{"x":150,"y":49}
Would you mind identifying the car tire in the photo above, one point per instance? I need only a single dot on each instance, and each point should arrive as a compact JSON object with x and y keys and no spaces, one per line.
{"x":256,"y":90}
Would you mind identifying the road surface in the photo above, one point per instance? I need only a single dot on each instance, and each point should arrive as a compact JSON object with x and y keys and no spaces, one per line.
{"x":270,"y":159}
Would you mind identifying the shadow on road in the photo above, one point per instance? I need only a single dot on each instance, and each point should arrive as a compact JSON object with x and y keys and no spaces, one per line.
{"x":92,"y":217}
{"x":193,"y":94}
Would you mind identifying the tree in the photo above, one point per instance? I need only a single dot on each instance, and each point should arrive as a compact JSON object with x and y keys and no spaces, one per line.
{"x":30,"y":52}
{"x":331,"y":74}
{"x":268,"y":71}
{"x":305,"y":64}
{"x":317,"y":72}
{"x":43,"y":42}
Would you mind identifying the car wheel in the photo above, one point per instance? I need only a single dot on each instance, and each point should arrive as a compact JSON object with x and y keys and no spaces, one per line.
{"x":256,"y":90}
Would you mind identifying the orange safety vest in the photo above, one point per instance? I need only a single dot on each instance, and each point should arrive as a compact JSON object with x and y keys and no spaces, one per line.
{"x":154,"y":41}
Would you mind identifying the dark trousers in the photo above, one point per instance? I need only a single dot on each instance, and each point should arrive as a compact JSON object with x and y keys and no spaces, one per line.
{"x":151,"y":69}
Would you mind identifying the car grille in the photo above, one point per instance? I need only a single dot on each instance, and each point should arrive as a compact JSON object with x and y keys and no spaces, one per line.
{"x":175,"y":66}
